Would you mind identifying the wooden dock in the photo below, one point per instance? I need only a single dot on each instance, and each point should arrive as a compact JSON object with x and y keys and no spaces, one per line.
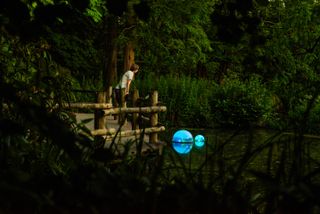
{"x":110,"y":123}
{"x":102,"y":124}
{"x":121,"y":141}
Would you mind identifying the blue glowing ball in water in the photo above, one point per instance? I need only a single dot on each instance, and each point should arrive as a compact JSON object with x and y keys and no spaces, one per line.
{"x":199,"y":141}
{"x":182,"y":141}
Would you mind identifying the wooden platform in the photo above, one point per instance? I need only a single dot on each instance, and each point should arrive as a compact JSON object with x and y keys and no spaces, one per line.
{"x":109,"y":129}
{"x":120,"y":141}
{"x":110,"y":123}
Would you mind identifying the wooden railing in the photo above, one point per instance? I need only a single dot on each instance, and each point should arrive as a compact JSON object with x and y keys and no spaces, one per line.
{"x":103,"y":109}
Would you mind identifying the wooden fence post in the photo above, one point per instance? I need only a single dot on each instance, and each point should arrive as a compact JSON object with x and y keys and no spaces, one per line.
{"x":135,"y":97}
{"x":99,"y":120}
{"x":154,"y":117}
{"x":109,"y":95}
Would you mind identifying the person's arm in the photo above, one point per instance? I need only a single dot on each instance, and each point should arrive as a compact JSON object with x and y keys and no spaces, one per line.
{"x":128,"y":87}
{"x":130,"y":78}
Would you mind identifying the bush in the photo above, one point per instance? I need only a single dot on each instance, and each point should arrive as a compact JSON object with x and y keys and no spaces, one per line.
{"x":236,"y":103}
{"x":301,"y":114}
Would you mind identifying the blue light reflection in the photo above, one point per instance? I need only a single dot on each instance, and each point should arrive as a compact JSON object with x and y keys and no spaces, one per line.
{"x":182,"y":141}
{"x":199,"y":141}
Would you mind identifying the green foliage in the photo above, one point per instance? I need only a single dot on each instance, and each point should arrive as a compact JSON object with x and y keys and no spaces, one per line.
{"x":291,"y":53}
{"x":314,"y":119}
{"x":236,"y":103}
{"x":200,"y":103}
{"x":186,"y":98}
{"x":78,"y":55}
{"x":30,"y":69}
{"x":174,"y":39}
{"x":305,"y":112}
{"x":96,"y":10}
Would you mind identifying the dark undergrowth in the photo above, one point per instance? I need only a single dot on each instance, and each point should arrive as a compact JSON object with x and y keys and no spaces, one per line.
{"x":51,"y":164}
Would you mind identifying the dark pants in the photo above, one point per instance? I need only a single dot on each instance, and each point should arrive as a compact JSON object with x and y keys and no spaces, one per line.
{"x":120,"y":97}
{"x":120,"y":101}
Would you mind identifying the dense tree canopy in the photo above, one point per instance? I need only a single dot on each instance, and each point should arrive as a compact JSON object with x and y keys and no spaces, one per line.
{"x":276,"y":40}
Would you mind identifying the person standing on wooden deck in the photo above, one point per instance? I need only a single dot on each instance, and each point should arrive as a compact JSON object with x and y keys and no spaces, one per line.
{"x":122,"y":89}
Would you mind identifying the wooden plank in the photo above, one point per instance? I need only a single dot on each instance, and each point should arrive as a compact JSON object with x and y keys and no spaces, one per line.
{"x":99,"y":119}
{"x":87,"y":105}
{"x":151,"y":109}
{"x":154,"y":116}
{"x":135,"y":97}
{"x":99,"y":132}
{"x":111,"y":132}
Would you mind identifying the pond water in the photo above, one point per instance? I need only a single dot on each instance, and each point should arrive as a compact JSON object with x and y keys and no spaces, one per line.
{"x":247,"y":163}
{"x":256,"y":149}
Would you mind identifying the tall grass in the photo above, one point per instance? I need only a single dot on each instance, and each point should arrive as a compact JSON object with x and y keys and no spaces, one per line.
{"x":186,"y":98}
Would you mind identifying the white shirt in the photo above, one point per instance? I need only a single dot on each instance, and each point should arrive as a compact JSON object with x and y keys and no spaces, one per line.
{"x":125,"y":78}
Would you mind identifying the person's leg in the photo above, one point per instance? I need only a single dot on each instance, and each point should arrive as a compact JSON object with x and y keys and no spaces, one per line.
{"x":123,"y":98}
{"x":122,"y":118}
{"x":116,"y":100}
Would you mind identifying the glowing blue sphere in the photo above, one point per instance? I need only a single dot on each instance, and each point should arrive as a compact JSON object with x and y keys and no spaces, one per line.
{"x":199,"y":141}
{"x":182,"y":141}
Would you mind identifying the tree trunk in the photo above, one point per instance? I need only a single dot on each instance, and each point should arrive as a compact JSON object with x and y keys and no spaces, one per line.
{"x":128,"y":56}
{"x":110,"y":64}
{"x":129,"y":48}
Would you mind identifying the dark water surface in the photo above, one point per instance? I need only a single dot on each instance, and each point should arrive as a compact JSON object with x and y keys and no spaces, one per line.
{"x":244,"y":150}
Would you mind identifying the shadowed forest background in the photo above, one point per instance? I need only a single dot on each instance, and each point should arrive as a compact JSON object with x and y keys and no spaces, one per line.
{"x":234,"y":65}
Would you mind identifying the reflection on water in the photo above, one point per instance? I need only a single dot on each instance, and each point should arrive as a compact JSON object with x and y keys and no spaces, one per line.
{"x":251,"y":164}
{"x":260,"y":149}
{"x":236,"y":138}
{"x":182,"y":148}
